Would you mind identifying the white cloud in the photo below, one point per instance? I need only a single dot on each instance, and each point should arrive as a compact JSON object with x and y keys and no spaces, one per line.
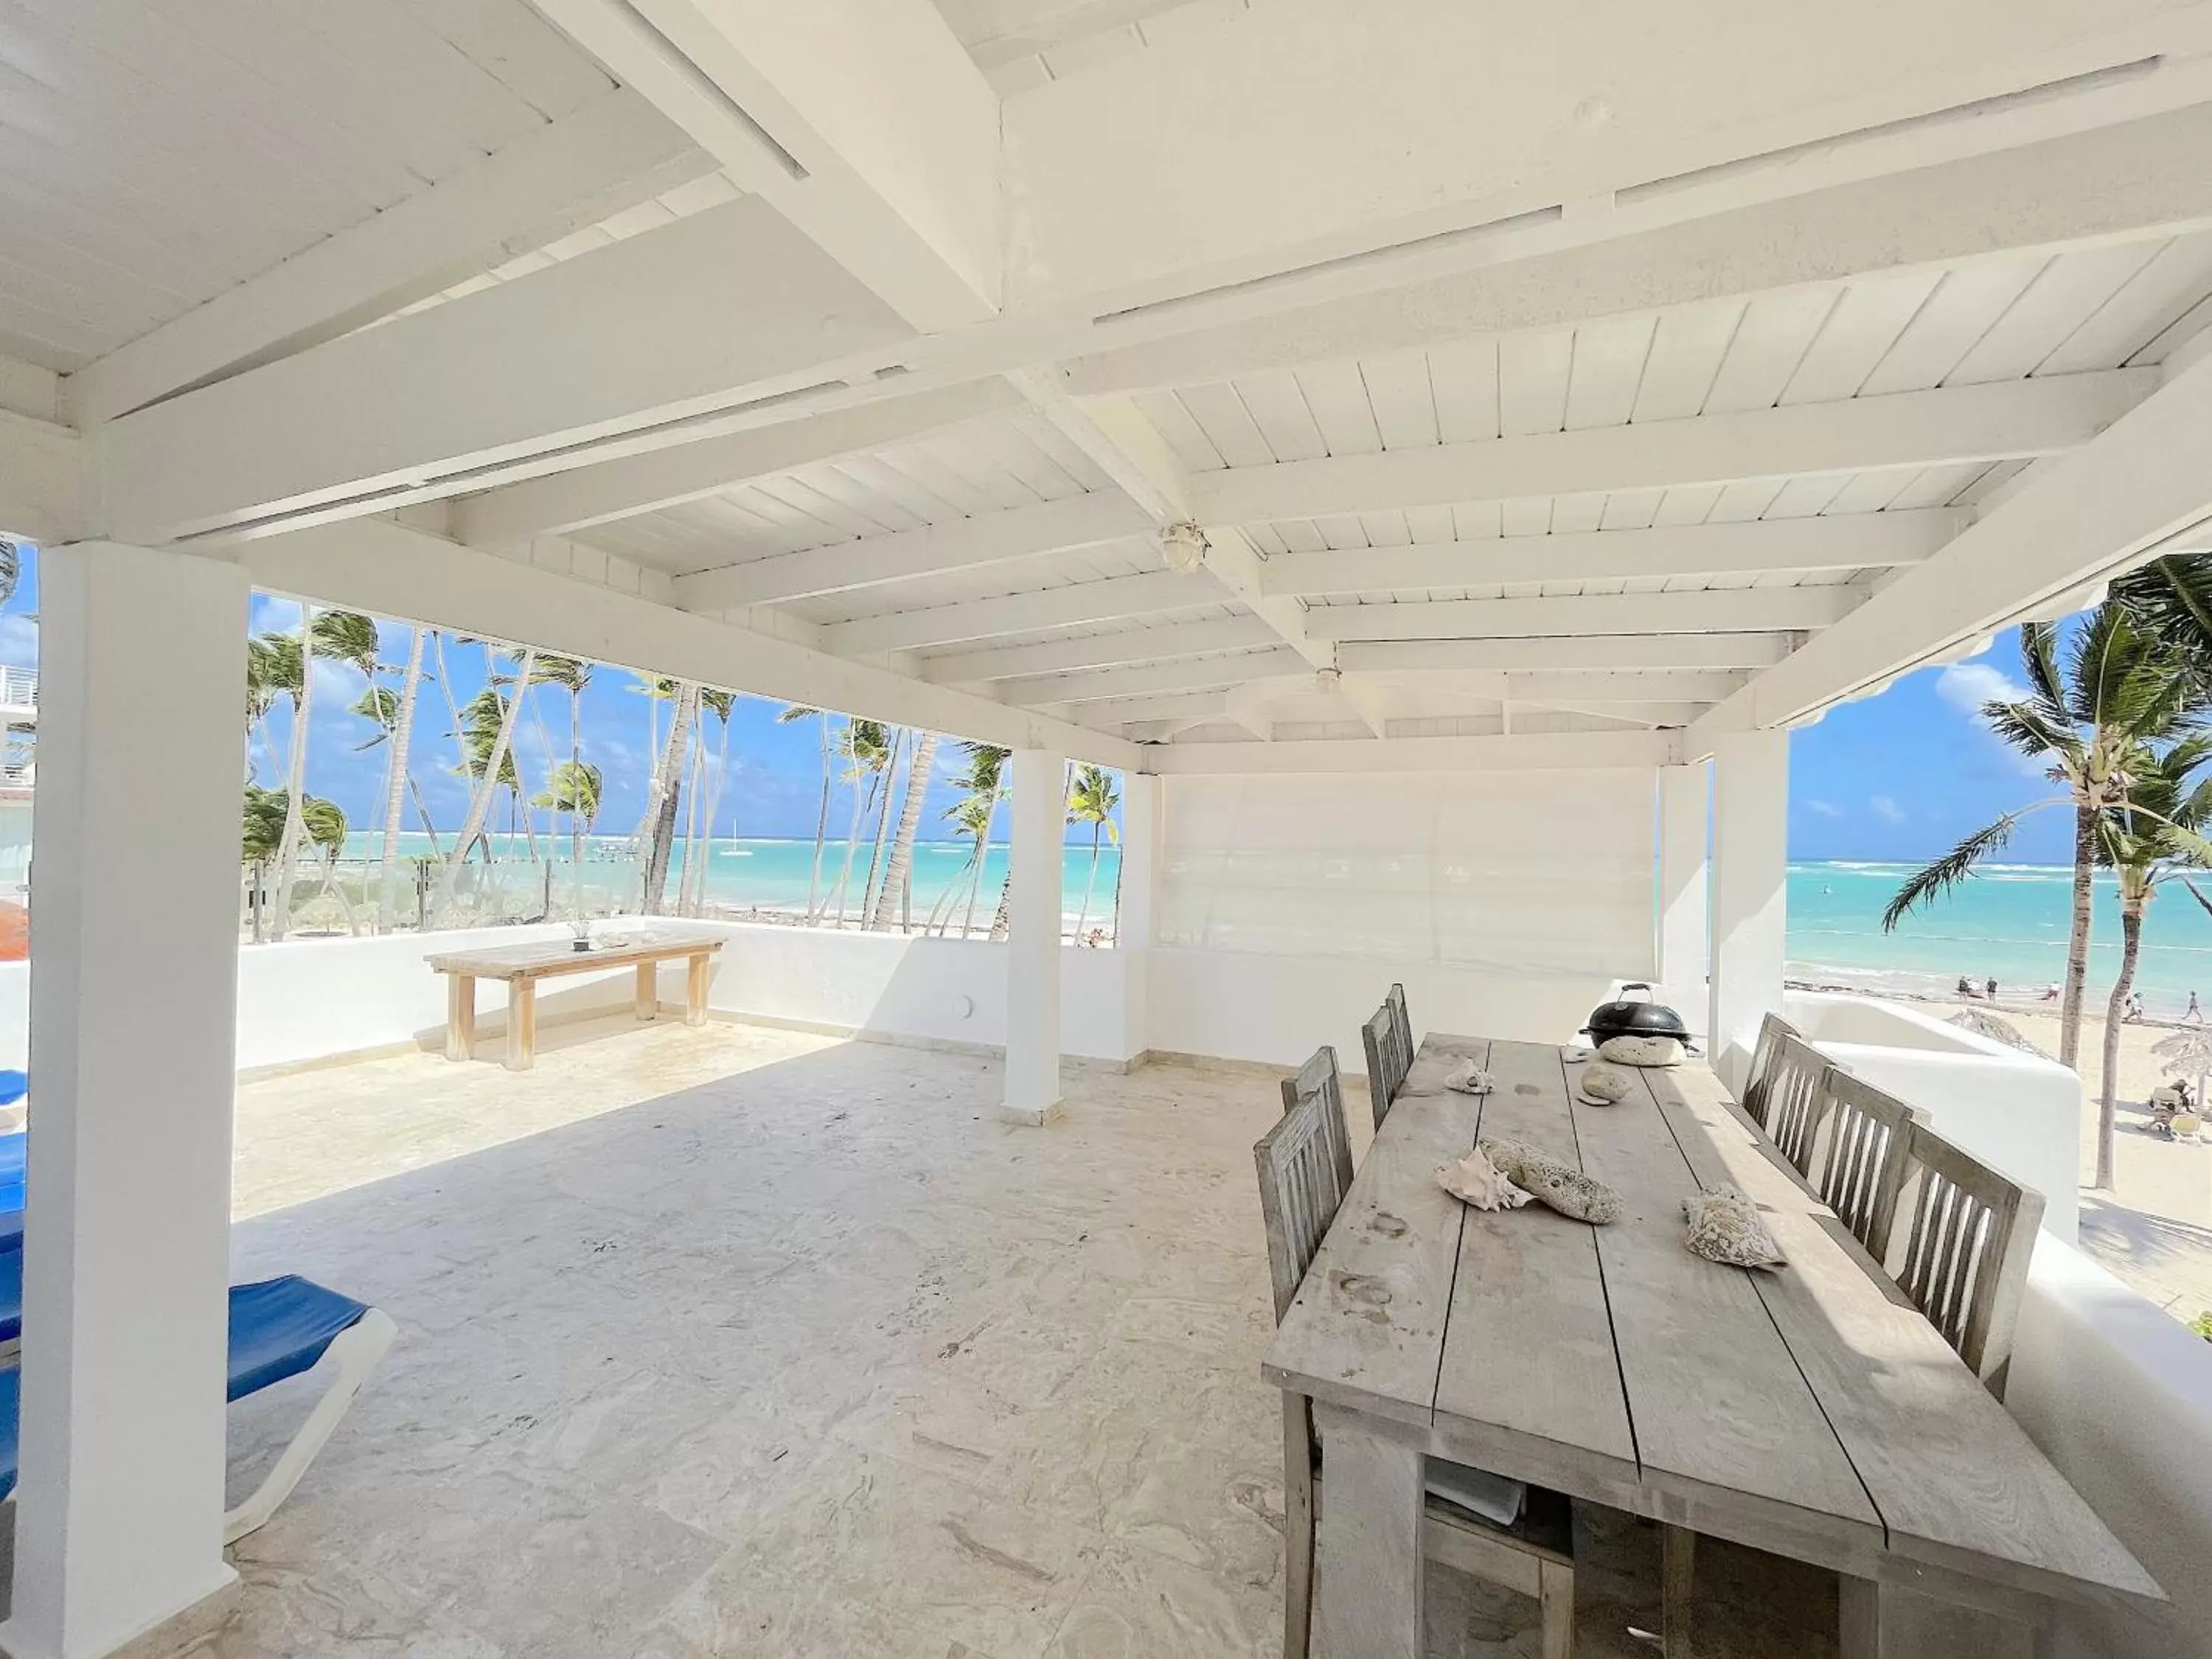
{"x":1826,"y":809}
{"x":19,"y":640}
{"x":1968,"y":685}
{"x":1887,"y":810}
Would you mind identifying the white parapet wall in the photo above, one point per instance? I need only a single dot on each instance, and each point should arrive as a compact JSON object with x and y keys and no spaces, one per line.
{"x":2019,"y":1112}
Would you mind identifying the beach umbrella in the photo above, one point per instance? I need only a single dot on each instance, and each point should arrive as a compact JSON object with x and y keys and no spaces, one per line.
{"x":2189,"y":1049}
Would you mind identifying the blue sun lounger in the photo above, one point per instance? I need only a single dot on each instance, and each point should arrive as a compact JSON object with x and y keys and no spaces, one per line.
{"x":279,"y":1327}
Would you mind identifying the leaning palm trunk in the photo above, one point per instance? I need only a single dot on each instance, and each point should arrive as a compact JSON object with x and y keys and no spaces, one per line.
{"x":689,"y":891}
{"x":852,"y":847}
{"x":1089,"y":886}
{"x":663,"y":841}
{"x":2077,"y":941}
{"x":480,"y":796}
{"x":2131,"y":914}
{"x":820,"y":832}
{"x":296,"y":804}
{"x":396,"y":781}
{"x":976,"y":882}
{"x":909,"y":825}
{"x":868,"y":898}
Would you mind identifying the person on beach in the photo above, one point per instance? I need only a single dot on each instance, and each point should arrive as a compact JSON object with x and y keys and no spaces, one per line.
{"x":1993,"y":987}
{"x":2193,"y":1011}
{"x":1966,"y":986}
{"x":2050,"y":992}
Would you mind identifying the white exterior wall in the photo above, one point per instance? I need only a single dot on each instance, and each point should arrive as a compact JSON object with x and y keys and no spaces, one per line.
{"x":1749,"y":894}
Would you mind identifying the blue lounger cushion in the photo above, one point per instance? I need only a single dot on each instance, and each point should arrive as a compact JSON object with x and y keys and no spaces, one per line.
{"x":278,"y":1328}
{"x":14,"y":1086}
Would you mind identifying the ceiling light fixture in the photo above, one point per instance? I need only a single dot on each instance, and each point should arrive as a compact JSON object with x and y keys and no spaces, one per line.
{"x":1184,"y":544}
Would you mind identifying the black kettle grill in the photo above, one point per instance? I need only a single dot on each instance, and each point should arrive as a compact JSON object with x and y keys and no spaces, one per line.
{"x":1636,"y":1017}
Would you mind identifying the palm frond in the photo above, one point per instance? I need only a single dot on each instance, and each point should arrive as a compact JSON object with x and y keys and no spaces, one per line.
{"x":1947,"y":872}
{"x":2038,"y":656}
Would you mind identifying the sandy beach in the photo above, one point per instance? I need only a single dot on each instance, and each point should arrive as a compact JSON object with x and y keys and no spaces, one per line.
{"x":2154,"y":1229}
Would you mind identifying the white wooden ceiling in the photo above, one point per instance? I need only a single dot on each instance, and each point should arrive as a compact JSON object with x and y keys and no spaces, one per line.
{"x":155,"y":153}
{"x":1019,"y":43}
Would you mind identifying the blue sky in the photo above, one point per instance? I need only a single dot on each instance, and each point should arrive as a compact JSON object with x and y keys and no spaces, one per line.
{"x":1900,"y":776}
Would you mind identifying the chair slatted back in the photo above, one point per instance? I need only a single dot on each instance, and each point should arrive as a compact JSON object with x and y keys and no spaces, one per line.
{"x":1756,"y":1089}
{"x":1304,"y":1175}
{"x":1319,"y":1078}
{"x":1401,"y":1022}
{"x":1863,"y":1152}
{"x":1796,"y":1100}
{"x":1957,"y":1236}
{"x":1379,"y":1037}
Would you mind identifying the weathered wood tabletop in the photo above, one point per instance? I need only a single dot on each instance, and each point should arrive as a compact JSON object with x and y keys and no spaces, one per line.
{"x":1809,"y":1412}
{"x":523,"y":965}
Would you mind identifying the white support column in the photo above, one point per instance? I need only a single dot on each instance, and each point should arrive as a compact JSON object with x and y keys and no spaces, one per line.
{"x":134,"y":976}
{"x":1040,"y":828}
{"x":1750,"y":871}
{"x":1683,"y":792}
{"x":1136,"y":928}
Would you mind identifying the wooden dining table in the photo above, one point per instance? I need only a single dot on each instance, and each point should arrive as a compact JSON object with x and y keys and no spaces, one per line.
{"x":1809,"y":1411}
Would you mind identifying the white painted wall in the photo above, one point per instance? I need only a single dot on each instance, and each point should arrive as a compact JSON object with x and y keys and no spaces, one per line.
{"x":2012,"y":1110}
{"x":2118,"y":1396}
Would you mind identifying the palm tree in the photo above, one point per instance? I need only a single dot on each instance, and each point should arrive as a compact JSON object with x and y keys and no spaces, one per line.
{"x":394,"y":715}
{"x":983,"y":784}
{"x":898,"y":734}
{"x":864,"y":745}
{"x":2148,"y":841}
{"x":971,"y":814}
{"x":271,"y":667}
{"x":303,"y":690}
{"x":482,"y":782}
{"x":572,"y":675}
{"x":658,"y":829}
{"x":707,"y":797}
{"x":2120,"y":694}
{"x":799,"y":712}
{"x":896,"y":874}
{"x":1092,"y":801}
{"x":263,"y":825}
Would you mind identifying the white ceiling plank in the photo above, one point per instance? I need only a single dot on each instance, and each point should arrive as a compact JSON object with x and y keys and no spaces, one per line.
{"x":2075,"y":520}
{"x":1179,"y":709}
{"x":1533,"y":751}
{"x":864,"y":123}
{"x":586,"y":496}
{"x":613,"y":152}
{"x":961,"y":545}
{"x":1845,"y":543}
{"x":1764,"y":611}
{"x":1187,"y":674}
{"x":1136,"y":645}
{"x":1634,"y":714}
{"x":389,"y":570}
{"x":2064,"y":295}
{"x":1016,"y":613}
{"x":1559,"y":653}
{"x":1986,"y":422}
{"x":1858,"y":333}
{"x":1567,"y":689}
{"x":649,"y":332}
{"x":2178,"y":276}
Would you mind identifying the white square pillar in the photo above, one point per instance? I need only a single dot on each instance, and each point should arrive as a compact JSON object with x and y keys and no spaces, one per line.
{"x":1683,"y":792}
{"x":134,"y":978}
{"x":1136,"y":927}
{"x":1750,"y":875}
{"x":1039,"y":832}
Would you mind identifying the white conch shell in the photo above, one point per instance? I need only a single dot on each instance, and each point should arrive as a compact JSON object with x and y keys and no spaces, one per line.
{"x":1475,"y":1179}
{"x":1604,"y":1086}
{"x":1468,"y":1079}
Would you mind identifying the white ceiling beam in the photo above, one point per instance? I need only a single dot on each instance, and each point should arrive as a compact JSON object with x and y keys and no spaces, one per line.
{"x":2123,"y":182}
{"x":1019,"y":613}
{"x":1137,"y":645}
{"x":609,"y":156}
{"x":1566,"y":691}
{"x":1188,"y":674}
{"x":1369,"y":701}
{"x":1735,"y":609}
{"x":655,"y":330}
{"x":1844,"y":542}
{"x":601,"y":491}
{"x":1907,"y":428}
{"x":1360,"y":141}
{"x":1634,"y":714}
{"x":1020,"y":532}
{"x":1532,"y":751}
{"x":390,"y":570}
{"x":1579,"y":651}
{"x":1177,"y":711}
{"x":44,"y":479}
{"x":864,"y":122}
{"x":1116,"y":436}
{"x":1246,"y":704}
{"x":2092,"y":514}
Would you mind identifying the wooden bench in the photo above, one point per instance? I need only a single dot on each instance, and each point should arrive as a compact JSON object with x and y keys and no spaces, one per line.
{"x":523,"y":965}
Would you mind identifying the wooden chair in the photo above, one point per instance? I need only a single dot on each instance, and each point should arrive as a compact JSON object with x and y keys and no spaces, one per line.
{"x":1771,"y":1031}
{"x":1388,"y":1060}
{"x":1395,"y":1002}
{"x":1304,"y":1173}
{"x":1863,"y":1149}
{"x":1796,"y":1098}
{"x":1956,"y":1236}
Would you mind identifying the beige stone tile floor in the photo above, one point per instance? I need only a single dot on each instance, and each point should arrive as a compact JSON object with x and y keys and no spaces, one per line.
{"x":736,"y":1341}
